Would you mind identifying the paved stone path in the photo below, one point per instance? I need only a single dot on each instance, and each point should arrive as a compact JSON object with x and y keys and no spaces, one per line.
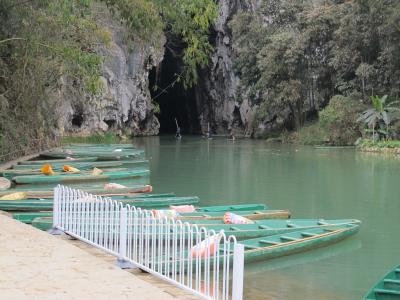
{"x":37,"y":265}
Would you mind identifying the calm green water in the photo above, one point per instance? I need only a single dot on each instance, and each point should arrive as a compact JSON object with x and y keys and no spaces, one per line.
{"x":311,"y":183}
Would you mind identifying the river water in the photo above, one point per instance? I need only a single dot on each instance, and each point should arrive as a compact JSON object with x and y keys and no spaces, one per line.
{"x":311,"y":183}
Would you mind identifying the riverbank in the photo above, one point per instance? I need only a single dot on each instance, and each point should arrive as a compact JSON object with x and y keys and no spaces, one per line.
{"x":35,"y":264}
{"x":384,"y":147}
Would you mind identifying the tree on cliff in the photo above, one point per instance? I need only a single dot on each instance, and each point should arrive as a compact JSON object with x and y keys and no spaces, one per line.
{"x":188,"y":19}
{"x":40,"y":43}
{"x":46,"y":43}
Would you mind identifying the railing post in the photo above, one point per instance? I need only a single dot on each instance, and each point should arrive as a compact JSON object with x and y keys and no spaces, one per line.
{"x":238,"y":269}
{"x":123,"y":231}
{"x":56,"y":212}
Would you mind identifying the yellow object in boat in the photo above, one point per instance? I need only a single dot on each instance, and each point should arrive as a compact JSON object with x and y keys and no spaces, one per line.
{"x":70,"y":169}
{"x":47,"y":170}
{"x":5,"y":184}
{"x":14,"y":196}
{"x":97,"y":171}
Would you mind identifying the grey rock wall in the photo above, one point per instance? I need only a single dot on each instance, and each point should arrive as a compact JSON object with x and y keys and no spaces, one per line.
{"x":216,"y":94}
{"x":124,"y":104}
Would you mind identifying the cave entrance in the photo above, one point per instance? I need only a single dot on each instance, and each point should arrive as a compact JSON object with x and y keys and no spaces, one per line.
{"x":173,"y":99}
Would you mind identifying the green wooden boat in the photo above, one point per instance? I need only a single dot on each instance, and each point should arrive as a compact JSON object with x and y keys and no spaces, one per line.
{"x":101,"y":155}
{"x":99,"y":146}
{"x":234,"y":207}
{"x":133,"y":164}
{"x":82,"y":185}
{"x":99,"y":149}
{"x":263,"y":228}
{"x":10,"y":174}
{"x":297,"y":241}
{"x":95,"y":147}
{"x":151,"y":203}
{"x":198,"y":217}
{"x":47,"y":204}
{"x":388,"y":288}
{"x":27,"y":217}
{"x":65,"y":178}
{"x":43,"y":223}
{"x":278,"y":245}
{"x":148,"y":196}
{"x":39,"y":192}
{"x":51,"y":161}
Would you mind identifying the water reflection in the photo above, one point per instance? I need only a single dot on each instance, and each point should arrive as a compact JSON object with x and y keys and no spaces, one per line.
{"x":312,"y":256}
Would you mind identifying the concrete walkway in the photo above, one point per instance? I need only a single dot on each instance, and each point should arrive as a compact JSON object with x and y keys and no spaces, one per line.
{"x":36,"y":265}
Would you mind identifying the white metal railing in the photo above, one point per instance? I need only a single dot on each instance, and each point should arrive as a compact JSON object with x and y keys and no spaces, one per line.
{"x":204,"y":262}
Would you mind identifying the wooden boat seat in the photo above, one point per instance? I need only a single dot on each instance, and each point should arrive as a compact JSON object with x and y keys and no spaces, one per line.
{"x":387,"y":292}
{"x":308,"y":234}
{"x":268,"y":242}
{"x":329,"y":229}
{"x":392,"y":282}
{"x":263,"y":227}
{"x":234,"y":228}
{"x":248,"y":247}
{"x":288,"y":238}
{"x":291,"y":225}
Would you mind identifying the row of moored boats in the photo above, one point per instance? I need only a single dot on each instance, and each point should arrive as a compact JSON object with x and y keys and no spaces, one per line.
{"x":120,"y":171}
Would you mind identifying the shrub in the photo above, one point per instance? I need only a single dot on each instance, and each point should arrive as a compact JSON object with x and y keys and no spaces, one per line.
{"x":339,"y":120}
{"x":312,"y":134}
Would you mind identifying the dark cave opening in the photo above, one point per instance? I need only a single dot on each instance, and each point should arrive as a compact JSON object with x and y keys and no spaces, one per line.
{"x":110,"y":123}
{"x":77,"y":120}
{"x":173,"y":99}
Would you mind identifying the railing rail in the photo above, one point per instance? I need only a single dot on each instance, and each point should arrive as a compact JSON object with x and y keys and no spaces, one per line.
{"x":204,"y":262}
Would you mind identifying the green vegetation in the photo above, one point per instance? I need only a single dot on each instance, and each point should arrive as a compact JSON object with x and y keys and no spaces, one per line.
{"x":381,"y":115}
{"x":107,"y":138}
{"x":339,"y":120}
{"x":187,"y":19}
{"x":367,"y":143}
{"x":295,"y":56}
{"x":379,"y":146}
{"x":47,"y":44}
{"x":310,"y":134}
{"x":42,"y":42}
{"x":337,"y":125}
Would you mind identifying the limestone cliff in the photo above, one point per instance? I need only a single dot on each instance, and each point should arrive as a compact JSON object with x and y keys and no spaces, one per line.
{"x":124,"y":104}
{"x":216,"y":94}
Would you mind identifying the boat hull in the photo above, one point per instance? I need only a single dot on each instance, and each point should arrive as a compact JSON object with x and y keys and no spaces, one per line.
{"x":151,"y":203}
{"x":388,"y":288}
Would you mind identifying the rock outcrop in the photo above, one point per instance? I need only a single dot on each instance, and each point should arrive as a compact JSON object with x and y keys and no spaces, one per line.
{"x":216,"y":94}
{"x":124,"y":104}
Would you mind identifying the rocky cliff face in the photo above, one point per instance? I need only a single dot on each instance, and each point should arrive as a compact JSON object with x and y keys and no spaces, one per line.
{"x":216,"y":94}
{"x":124,"y":105}
{"x":125,"y":102}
